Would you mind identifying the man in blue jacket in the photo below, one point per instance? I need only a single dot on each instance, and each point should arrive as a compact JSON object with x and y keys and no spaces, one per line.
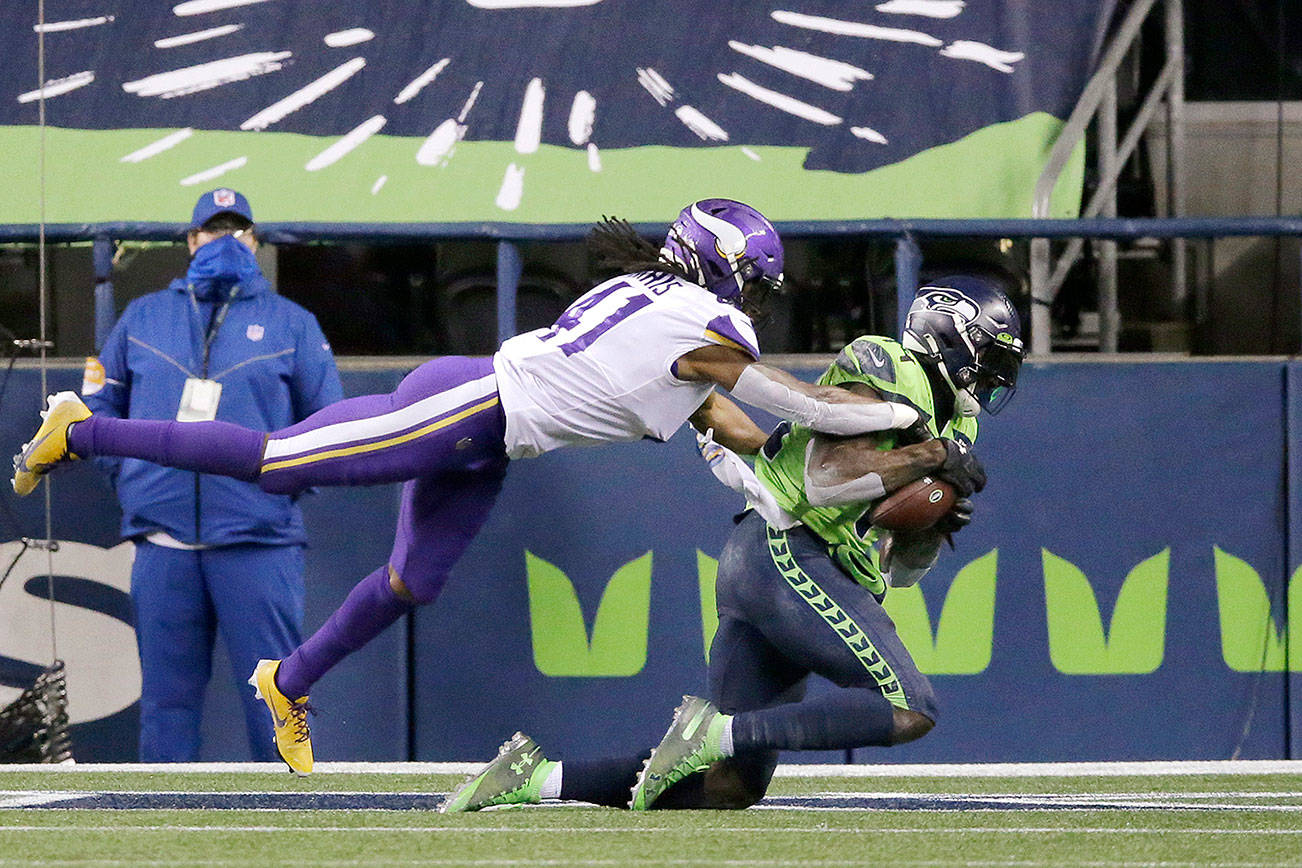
{"x":212,"y":553}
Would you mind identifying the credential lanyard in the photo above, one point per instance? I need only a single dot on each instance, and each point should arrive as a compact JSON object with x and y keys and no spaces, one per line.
{"x":215,"y":325}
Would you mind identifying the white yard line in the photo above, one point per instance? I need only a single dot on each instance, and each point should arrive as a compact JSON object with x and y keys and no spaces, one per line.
{"x":946,"y":863}
{"x":788,"y":770}
{"x":295,"y":825}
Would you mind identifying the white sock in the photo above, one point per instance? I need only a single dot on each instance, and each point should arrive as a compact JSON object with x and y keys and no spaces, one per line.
{"x":551,"y":788}
{"x":725,"y":740}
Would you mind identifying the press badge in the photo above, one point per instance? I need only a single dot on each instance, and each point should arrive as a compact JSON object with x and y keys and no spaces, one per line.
{"x":199,"y":400}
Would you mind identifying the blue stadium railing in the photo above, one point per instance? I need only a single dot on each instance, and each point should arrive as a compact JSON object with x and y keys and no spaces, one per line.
{"x":904,"y":233}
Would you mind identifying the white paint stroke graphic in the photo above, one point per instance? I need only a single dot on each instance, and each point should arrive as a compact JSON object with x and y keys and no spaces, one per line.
{"x":511,"y":192}
{"x":530,"y":4}
{"x":379,"y":183}
{"x":583,"y":114}
{"x":696,"y":121}
{"x":833,"y":74}
{"x":417,"y":84}
{"x":470,"y":102}
{"x":748,"y":152}
{"x":528,"y":130}
{"x":351,"y":36}
{"x":205,"y":76}
{"x":437,"y":149}
{"x":655,"y":84}
{"x":58,"y":86}
{"x":781,"y":101}
{"x":197,"y":36}
{"x":214,"y":172}
{"x":201,"y":7}
{"x":854,"y":28}
{"x":982,"y":53}
{"x":153,"y":149}
{"x":869,"y":134}
{"x":926,"y":8}
{"x":594,"y":158}
{"x":304,"y":95}
{"x":347,"y":143}
{"x":76,"y":24}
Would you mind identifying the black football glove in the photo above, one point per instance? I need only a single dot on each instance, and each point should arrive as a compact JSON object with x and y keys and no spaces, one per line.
{"x":958,"y":517}
{"x":961,"y":468}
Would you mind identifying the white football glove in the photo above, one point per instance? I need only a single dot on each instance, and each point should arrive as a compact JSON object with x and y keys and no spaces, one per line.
{"x":903,"y":566}
{"x":728,"y":467}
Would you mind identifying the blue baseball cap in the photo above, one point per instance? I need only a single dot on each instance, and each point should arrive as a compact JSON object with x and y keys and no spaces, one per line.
{"x":220,"y":201}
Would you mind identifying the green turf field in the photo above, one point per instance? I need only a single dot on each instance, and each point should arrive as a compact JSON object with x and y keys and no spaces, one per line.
{"x":258,"y":818}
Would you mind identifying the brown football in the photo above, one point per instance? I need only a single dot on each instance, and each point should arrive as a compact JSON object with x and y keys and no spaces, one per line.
{"x":916,"y":506}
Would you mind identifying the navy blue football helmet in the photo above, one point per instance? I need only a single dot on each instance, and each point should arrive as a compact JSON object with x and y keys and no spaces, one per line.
{"x":967,"y":326}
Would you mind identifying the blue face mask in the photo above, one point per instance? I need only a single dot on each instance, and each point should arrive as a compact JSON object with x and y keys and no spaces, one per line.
{"x":223,"y":260}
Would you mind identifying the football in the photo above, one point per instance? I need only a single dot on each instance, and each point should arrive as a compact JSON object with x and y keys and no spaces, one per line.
{"x":916,"y":506}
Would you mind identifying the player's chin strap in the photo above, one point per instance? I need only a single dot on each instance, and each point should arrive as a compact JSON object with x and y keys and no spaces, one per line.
{"x":757,"y":388}
{"x":728,"y":467}
{"x":965,"y":403}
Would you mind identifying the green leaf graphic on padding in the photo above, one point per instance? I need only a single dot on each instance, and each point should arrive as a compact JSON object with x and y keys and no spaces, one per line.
{"x":964,"y":636}
{"x":707,"y":571}
{"x":1250,"y":641}
{"x":1078,"y":644}
{"x":619,"y":632}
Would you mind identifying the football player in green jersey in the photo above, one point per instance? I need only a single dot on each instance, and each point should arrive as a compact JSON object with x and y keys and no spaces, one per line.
{"x":802,"y":577}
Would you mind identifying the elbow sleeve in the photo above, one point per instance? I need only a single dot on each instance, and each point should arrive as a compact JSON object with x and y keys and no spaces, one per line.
{"x":754,"y":387}
{"x":869,"y":486}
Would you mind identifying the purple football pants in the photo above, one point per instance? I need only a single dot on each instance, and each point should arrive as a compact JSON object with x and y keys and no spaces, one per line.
{"x":441,"y":433}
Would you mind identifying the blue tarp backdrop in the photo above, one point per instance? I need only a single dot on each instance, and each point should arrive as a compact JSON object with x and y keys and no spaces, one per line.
{"x":1121,"y":595}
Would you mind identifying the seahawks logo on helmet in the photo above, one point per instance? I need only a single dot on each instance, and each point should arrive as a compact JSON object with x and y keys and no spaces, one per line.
{"x":957,"y":305}
{"x":967,"y":326}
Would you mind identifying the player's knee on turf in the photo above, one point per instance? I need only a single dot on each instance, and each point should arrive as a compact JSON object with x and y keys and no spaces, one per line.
{"x":733,"y":785}
{"x":909,"y":726}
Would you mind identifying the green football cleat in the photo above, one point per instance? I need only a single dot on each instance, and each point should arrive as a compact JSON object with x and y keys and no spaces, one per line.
{"x":514,"y":777}
{"x":50,"y":445}
{"x":693,"y":742}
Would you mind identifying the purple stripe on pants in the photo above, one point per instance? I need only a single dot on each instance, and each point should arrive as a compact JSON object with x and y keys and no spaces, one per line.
{"x":347,"y":453}
{"x":232,"y":450}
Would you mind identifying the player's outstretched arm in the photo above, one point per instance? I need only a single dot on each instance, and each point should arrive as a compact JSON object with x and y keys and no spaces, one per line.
{"x":732,"y":427}
{"x":736,"y":474}
{"x":828,"y":409}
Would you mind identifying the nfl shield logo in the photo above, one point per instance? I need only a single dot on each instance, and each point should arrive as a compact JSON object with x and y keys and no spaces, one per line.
{"x":255,"y":332}
{"x":223,"y":198}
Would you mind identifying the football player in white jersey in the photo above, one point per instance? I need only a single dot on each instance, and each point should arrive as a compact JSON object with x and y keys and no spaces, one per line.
{"x":635,"y":357}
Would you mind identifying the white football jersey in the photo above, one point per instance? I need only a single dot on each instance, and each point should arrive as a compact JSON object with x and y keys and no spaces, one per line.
{"x":604,"y":371}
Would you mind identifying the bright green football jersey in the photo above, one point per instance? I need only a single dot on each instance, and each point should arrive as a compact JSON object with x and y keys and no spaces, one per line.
{"x":883,"y":364}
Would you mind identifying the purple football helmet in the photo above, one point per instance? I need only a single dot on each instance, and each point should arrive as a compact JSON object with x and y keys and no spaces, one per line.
{"x":723,"y":244}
